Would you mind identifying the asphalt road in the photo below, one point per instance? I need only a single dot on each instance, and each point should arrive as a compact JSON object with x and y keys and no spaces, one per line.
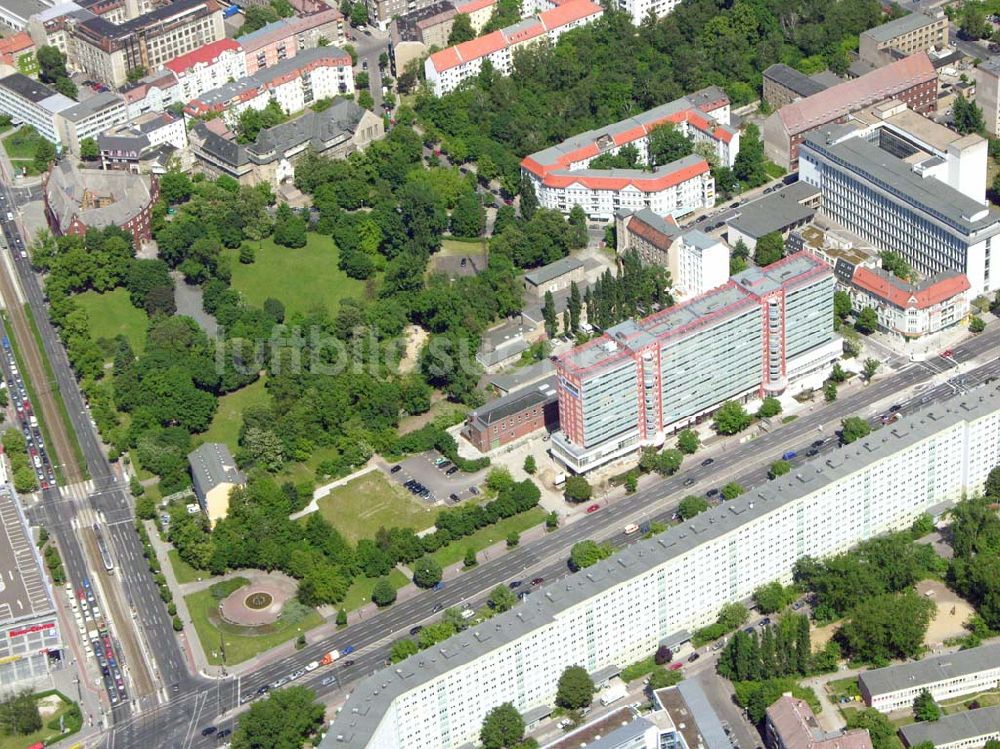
{"x":546,"y":558}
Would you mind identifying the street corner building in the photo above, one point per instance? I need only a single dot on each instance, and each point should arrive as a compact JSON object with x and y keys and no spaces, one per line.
{"x":752,"y":337}
{"x":79,"y":199}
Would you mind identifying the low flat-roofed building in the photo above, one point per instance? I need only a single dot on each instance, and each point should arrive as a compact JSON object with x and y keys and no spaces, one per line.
{"x":782,"y":211}
{"x":791,"y":724}
{"x":554,"y":277}
{"x":692,"y":713}
{"x":784,"y":84}
{"x":214,"y":474}
{"x":30,"y":637}
{"x":914,"y":32}
{"x":503,"y":345}
{"x":831,"y":246}
{"x":945,"y":676}
{"x":90,"y":117}
{"x":503,"y":383}
{"x":514,"y":416}
{"x":962,"y":730}
{"x":32,"y":103}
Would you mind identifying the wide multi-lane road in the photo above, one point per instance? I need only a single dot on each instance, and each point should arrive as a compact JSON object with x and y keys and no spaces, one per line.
{"x":746,"y":463}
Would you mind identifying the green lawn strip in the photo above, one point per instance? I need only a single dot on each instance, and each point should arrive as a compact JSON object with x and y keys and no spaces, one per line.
{"x":183,"y":571}
{"x":299,"y":278}
{"x":111,"y":314}
{"x":240,"y":644}
{"x":360,"y":591}
{"x":50,"y":725}
{"x":453,"y":246}
{"x":140,"y":470}
{"x":225,"y":425}
{"x":484,"y":537}
{"x":359,"y":508}
{"x":21,"y":144}
{"x":26,"y":167}
{"x":81,"y":461}
{"x":306,"y":470}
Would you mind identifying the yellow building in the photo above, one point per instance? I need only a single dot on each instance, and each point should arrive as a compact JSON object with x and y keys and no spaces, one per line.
{"x":214,"y":474}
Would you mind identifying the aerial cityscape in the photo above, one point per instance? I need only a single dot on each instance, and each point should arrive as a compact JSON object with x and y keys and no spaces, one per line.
{"x":515,"y":374}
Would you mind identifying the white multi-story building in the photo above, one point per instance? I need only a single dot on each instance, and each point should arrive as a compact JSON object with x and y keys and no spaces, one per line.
{"x":154,"y":93}
{"x":89,"y":118}
{"x":32,"y":103}
{"x":562,"y":177}
{"x":138,"y":145}
{"x":446,"y":69}
{"x":622,"y":608}
{"x":640,"y":9}
{"x":208,"y":67}
{"x":898,"y":196}
{"x":946,"y":677}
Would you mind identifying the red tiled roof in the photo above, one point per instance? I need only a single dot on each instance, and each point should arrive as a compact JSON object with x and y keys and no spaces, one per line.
{"x":19,"y":42}
{"x":844,"y":98}
{"x":568,"y":12}
{"x":523,"y":33}
{"x":642,"y":181}
{"x":651,"y":234}
{"x":205,"y":55}
{"x":904,"y":295}
{"x":466,"y":51}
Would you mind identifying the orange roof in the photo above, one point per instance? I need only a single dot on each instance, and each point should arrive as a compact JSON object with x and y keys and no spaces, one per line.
{"x":652,"y":234}
{"x":205,"y":55}
{"x":904,"y":295}
{"x":568,"y":12}
{"x":19,"y":42}
{"x":835,"y":102}
{"x":473,"y":5}
{"x":619,"y":179}
{"x":467,"y":51}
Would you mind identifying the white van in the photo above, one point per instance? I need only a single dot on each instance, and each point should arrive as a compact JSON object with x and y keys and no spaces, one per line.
{"x":631,"y":528}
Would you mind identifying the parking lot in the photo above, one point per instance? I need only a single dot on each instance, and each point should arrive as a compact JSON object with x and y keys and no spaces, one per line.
{"x":439,"y":484}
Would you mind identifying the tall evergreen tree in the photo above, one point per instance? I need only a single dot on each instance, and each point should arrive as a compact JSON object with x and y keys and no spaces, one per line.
{"x":803,"y":647}
{"x":549,"y":313}
{"x":529,"y":201}
{"x":768,"y":658}
{"x":574,"y":307}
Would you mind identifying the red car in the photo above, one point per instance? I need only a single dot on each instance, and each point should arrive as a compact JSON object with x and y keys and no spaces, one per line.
{"x":946,"y":353}
{"x":593,"y":508}
{"x":676,"y":665}
{"x":538,"y":581}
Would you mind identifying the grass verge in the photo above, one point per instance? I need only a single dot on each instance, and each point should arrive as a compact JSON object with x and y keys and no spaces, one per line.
{"x":360,"y":591}
{"x":454,"y":552}
{"x":184,"y":572}
{"x":68,"y":712}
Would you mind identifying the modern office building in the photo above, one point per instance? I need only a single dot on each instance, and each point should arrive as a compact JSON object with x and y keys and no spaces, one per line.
{"x":214,"y":474}
{"x":791,"y":724}
{"x":962,"y":730}
{"x":313,"y":74}
{"x":890,"y":191}
{"x":696,"y":261}
{"x":908,"y":310}
{"x":108,"y":52}
{"x":945,"y":676}
{"x":79,"y":199}
{"x":336,"y":132}
{"x":622,"y":608}
{"x":141,"y":145}
{"x":89,"y":118}
{"x":914,"y":32}
{"x":512,"y":417}
{"x":32,"y":103}
{"x":446,"y":69}
{"x":31,"y":636}
{"x":762,"y":330}
{"x":912,"y":80}
{"x":562,"y":178}
{"x":988,"y":93}
{"x":208,"y":67}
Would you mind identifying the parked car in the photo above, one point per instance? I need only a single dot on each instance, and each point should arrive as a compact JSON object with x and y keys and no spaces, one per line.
{"x":396,"y":468}
{"x":593,"y":508}
{"x":538,"y":581}
{"x":439,"y":585}
{"x":693,"y":657}
{"x":514,"y":584}
{"x":451,"y":470}
{"x":688,"y":482}
{"x":416,"y":630}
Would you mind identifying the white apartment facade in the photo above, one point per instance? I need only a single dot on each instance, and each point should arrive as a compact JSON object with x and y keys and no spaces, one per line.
{"x":32,"y":103}
{"x":698,"y":263}
{"x":209,"y":67}
{"x":90,"y":118}
{"x":640,"y":9}
{"x":621,"y":609}
{"x":946,"y":677}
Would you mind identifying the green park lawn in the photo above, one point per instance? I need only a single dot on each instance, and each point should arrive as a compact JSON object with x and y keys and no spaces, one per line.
{"x":360,"y":591}
{"x":111,"y":314}
{"x":49,"y":731}
{"x":455,"y":551}
{"x":225,"y":425}
{"x":239,"y":644}
{"x":183,"y":571}
{"x":21,"y":144}
{"x":300,"y":279}
{"x":359,"y":508}
{"x":450,"y":246}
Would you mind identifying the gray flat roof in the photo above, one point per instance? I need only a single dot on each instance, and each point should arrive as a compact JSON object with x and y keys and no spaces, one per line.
{"x":970,"y":724}
{"x":904,"y":25}
{"x":370,"y":701}
{"x":549,"y":272}
{"x":24,"y":593}
{"x":517,"y":378}
{"x":512,"y":403}
{"x":774,"y":212}
{"x":930,"y":670}
{"x":27,"y":88}
{"x":92,"y":105}
{"x":895,"y":177}
{"x":23,"y":9}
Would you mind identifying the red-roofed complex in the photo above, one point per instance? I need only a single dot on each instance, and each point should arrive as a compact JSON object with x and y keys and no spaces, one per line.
{"x":562,"y":177}
{"x":906,"y":309}
{"x":753,"y":336}
{"x":912,"y":80}
{"x":446,"y":69}
{"x":791,"y":724}
{"x":14,"y":47}
{"x":208,"y":67}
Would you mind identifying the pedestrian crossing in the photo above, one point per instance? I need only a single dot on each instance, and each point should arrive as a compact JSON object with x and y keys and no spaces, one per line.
{"x":80,"y":490}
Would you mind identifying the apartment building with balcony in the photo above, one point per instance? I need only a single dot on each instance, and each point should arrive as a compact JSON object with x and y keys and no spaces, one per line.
{"x":885,"y":188}
{"x":753,"y":336}
{"x":208,"y":67}
{"x":621,"y":609}
{"x":446,"y":69}
{"x":286,"y":37}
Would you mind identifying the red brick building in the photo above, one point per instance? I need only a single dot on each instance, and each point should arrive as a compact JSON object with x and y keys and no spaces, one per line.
{"x":514,"y":416}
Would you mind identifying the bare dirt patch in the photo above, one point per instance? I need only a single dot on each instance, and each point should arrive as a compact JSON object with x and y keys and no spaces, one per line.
{"x":952,"y":613}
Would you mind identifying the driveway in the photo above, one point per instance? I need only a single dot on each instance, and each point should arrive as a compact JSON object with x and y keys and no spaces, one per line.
{"x":421,"y":468}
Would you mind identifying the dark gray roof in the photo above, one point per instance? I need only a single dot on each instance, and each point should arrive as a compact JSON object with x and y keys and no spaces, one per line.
{"x":709,"y":725}
{"x":364,"y":709}
{"x":930,"y":670}
{"x":102,"y":27}
{"x":521,"y":376}
{"x":212,"y":464}
{"x":550,"y":272}
{"x":127,"y":195}
{"x":983,"y":723}
{"x":512,"y":403}
{"x":798,"y":83}
{"x":92,"y":105}
{"x":895,"y":177}
{"x":889,"y":31}
{"x":775,"y":212}
{"x":23,"y":9}
{"x":27,"y":88}
{"x":404,"y":27}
